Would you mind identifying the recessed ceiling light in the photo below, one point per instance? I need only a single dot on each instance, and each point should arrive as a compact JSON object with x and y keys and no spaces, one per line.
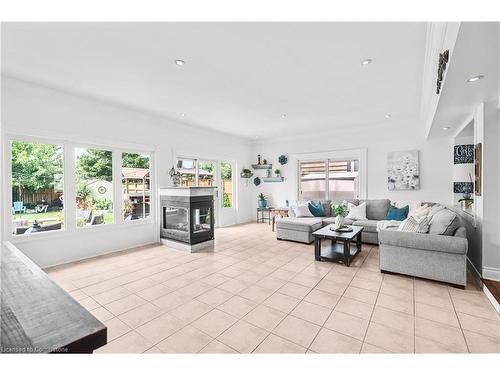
{"x":179,"y":62}
{"x":475,"y":78}
{"x":446,"y":128}
{"x":388,"y":115}
{"x":366,"y":61}
{"x":283,"y":115}
{"x":183,"y":115}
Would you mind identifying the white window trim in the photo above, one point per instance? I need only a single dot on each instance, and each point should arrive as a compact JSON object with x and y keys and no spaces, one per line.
{"x":360,"y":154}
{"x":69,"y":188}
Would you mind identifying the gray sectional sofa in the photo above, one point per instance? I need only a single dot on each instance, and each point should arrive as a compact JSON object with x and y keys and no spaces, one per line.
{"x":301,"y":228}
{"x":440,"y":257}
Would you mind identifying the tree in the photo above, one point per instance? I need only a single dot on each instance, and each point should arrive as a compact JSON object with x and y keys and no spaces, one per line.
{"x":225,"y":171}
{"x":95,"y":165}
{"x":35,"y":166}
{"x":135,"y":161}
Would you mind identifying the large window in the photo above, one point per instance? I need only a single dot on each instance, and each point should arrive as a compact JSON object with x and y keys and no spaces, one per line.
{"x":37,"y":187}
{"x":136,"y":186}
{"x":337,"y":182}
{"x":94,"y":187}
{"x":226,"y":173}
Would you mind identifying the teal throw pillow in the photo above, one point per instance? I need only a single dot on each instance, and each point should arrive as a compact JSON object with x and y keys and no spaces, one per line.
{"x":316,"y":208}
{"x":398,"y":214}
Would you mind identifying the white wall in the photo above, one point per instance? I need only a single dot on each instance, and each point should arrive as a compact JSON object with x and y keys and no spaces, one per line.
{"x":491,"y":193}
{"x":436,"y":156}
{"x":39,"y":111}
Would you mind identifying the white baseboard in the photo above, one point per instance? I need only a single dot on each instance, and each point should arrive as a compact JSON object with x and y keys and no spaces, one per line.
{"x":492,"y":299}
{"x":491,"y":273}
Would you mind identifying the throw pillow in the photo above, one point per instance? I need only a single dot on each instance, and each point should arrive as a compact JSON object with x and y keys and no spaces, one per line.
{"x":444,"y":222}
{"x":420,"y":211}
{"x":302,"y":210}
{"x":434,"y":210}
{"x":398,"y":214}
{"x":316,"y":208}
{"x":356,"y":212}
{"x":416,"y":225}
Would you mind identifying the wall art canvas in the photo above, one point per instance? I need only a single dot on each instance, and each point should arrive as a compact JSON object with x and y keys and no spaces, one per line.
{"x":403,"y":170}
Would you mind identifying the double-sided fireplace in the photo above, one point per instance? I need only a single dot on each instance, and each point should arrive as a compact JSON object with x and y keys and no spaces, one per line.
{"x":187,"y":217}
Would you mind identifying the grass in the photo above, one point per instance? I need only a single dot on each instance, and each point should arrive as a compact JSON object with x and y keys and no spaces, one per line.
{"x":59,"y":215}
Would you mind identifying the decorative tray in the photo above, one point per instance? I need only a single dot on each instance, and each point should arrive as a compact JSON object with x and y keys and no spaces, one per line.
{"x":343,"y":228}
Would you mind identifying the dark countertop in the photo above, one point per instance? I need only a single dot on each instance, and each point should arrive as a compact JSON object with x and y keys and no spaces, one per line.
{"x":38,"y":316}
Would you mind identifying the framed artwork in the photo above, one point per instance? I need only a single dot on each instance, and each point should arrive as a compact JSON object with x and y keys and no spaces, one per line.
{"x":403,"y":171}
{"x":478,"y":166}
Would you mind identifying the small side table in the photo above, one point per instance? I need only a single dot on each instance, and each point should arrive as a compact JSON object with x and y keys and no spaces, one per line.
{"x":264,"y":214}
{"x":278,"y":211}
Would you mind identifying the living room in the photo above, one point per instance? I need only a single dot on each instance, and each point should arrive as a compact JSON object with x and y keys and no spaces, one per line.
{"x":245,"y":189}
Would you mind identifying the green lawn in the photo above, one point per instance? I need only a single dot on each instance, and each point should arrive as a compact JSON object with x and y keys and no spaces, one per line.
{"x":108,"y":217}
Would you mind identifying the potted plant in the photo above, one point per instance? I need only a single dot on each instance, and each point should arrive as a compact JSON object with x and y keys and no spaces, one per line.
{"x":277,"y":172}
{"x":262,"y":200}
{"x":340,"y":211}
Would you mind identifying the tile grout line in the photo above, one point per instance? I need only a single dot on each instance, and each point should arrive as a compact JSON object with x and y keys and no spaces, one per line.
{"x":459,"y":323}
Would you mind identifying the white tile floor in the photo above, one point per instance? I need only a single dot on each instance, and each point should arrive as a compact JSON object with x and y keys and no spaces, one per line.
{"x":255,"y":294}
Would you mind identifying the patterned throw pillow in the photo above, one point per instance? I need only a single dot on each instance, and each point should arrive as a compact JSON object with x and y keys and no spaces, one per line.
{"x":417,"y":225}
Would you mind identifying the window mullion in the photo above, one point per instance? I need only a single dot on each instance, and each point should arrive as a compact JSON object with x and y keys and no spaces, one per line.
{"x":327,"y":176}
{"x":117,"y":186}
{"x":69,"y":188}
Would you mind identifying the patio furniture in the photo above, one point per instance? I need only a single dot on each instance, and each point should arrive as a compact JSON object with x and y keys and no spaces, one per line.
{"x":85,"y":214}
{"x":18,"y":207}
{"x":39,"y":228}
{"x":97,"y":219}
{"x":41,"y":208}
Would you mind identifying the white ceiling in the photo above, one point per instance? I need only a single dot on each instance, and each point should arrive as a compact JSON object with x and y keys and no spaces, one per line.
{"x":475,"y":53}
{"x":238,"y":77}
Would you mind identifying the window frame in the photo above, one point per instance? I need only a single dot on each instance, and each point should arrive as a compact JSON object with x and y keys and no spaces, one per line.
{"x":69,"y":188}
{"x":336,"y":155}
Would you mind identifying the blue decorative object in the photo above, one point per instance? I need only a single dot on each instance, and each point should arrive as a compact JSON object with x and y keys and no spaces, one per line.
{"x":262,"y":203}
{"x":256,"y":181}
{"x":283,"y":159}
{"x":398,"y":214}
{"x":316,"y":208}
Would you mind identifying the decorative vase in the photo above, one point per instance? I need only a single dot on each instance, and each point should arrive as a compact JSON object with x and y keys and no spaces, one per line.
{"x":339,"y":222}
{"x":262,"y":203}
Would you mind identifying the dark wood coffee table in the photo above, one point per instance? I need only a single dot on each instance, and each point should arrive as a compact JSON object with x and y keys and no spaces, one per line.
{"x":341,"y":249}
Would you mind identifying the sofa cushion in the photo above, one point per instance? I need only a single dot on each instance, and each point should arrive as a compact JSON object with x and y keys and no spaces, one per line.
{"x":398,"y":214}
{"x":301,"y":224}
{"x":316,"y":208}
{"x":376,"y":209}
{"x":331,"y":220}
{"x":302,"y":210}
{"x":368,"y":225}
{"x":327,"y":207}
{"x":444,"y":222}
{"x":356,"y":212}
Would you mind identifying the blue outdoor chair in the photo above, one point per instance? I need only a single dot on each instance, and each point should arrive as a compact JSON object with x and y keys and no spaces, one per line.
{"x":18,"y":207}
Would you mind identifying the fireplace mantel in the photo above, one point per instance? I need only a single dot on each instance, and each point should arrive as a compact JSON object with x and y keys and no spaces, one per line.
{"x":190,"y":191}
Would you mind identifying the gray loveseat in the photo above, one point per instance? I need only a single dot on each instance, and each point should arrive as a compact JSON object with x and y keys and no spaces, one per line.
{"x":301,"y":228}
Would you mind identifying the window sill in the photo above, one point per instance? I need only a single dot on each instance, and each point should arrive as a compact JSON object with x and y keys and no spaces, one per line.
{"x":68,"y":233}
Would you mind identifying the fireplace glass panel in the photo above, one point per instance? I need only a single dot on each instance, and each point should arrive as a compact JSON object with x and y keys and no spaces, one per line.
{"x":201,"y":219}
{"x":176,"y":222}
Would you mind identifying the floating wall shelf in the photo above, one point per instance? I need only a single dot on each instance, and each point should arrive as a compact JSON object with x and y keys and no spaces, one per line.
{"x":273,"y":179}
{"x":262,"y":166}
